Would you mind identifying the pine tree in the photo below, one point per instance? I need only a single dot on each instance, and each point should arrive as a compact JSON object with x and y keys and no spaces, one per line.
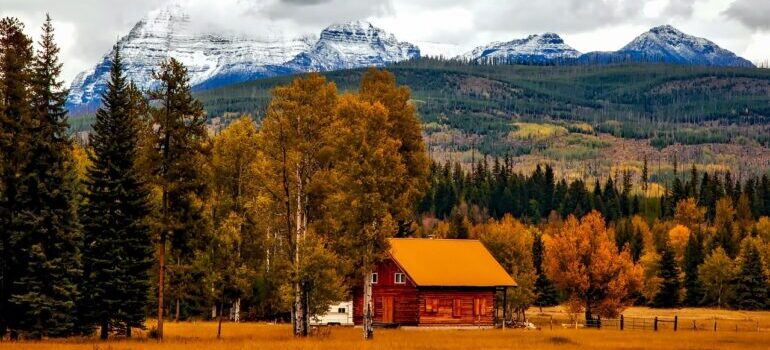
{"x":45,"y":228}
{"x":544,"y":289}
{"x":172,"y":152}
{"x":118,"y":250}
{"x":16,"y":125}
{"x":668,"y":271}
{"x":693,"y":257}
{"x":751,"y":283}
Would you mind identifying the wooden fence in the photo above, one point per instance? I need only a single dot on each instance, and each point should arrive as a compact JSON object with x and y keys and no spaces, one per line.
{"x":657,"y":323}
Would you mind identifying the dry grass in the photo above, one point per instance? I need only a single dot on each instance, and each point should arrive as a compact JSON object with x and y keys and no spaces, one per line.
{"x":246,"y":336}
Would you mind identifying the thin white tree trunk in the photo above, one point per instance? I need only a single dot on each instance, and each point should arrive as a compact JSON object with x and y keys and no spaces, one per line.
{"x":237,"y":307}
{"x":368,"y":309}
{"x":298,"y":302}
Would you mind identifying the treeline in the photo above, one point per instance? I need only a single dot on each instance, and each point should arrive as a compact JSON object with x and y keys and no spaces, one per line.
{"x":279,"y":218}
{"x":704,"y":242}
{"x":493,"y":190}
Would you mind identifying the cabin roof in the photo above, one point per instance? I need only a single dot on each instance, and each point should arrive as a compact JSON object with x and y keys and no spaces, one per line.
{"x":448,"y":263}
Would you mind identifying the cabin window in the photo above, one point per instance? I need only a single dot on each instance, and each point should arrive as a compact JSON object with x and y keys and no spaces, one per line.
{"x":341,"y":310}
{"x":457,"y":308}
{"x":431,"y":305}
{"x":374,"y":278}
{"x":479,"y":307}
{"x":400,"y":278}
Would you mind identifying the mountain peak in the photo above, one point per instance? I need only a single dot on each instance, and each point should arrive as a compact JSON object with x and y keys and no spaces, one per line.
{"x":215,"y":57}
{"x":666,"y":28}
{"x":668,"y":44}
{"x":534,"y":48}
{"x":353,"y":44}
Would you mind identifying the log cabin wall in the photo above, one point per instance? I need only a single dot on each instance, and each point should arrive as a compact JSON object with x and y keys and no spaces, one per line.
{"x":456,"y":306}
{"x":400,"y":299}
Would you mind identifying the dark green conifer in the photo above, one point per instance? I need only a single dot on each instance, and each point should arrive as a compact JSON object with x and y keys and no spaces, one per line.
{"x":544,"y":289}
{"x":16,"y":125}
{"x":47,"y":231}
{"x":670,"y":286}
{"x":118,"y":248}
{"x":693,"y":257}
{"x":751,"y":286}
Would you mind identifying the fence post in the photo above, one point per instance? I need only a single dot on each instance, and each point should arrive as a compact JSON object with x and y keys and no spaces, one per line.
{"x":676,"y":320}
{"x":694,"y":327}
{"x":715,"y":324}
{"x":551,"y":322}
{"x":621,"y":322}
{"x":655,"y":324}
{"x":598,"y":322}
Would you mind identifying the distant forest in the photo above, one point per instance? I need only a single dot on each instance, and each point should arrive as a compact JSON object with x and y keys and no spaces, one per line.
{"x":664,"y":103}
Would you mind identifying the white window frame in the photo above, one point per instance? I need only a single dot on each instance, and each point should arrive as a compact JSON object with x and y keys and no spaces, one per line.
{"x":396,"y":278}
{"x":375,"y":278}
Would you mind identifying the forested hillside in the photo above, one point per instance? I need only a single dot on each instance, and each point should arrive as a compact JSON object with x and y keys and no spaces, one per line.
{"x":585,"y":118}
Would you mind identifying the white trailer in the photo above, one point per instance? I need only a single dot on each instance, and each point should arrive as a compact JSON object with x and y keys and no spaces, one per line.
{"x":340,"y":314}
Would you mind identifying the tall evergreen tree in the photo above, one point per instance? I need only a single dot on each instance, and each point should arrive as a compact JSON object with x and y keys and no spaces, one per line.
{"x":751,"y":283}
{"x":15,"y":137}
{"x":47,"y":226}
{"x":693,"y":257}
{"x":118,"y":249}
{"x":668,"y":271}
{"x":172,"y":162}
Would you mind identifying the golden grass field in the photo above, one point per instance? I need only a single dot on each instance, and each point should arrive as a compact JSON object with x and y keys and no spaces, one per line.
{"x":246,"y":336}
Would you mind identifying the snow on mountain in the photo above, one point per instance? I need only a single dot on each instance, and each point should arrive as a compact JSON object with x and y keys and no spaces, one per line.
{"x":165,"y":33}
{"x":215,"y":59}
{"x":536,"y":48}
{"x":668,"y":44}
{"x":351,"y":45}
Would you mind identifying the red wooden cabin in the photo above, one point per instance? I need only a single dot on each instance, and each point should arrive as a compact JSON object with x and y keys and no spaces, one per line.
{"x":435,"y":282}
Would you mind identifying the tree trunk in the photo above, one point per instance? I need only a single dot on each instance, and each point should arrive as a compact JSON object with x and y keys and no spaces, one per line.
{"x":237,"y":313}
{"x":161,"y":282}
{"x":589,"y":316}
{"x":299,"y":305}
{"x":221,"y":310}
{"x":128,"y":331}
{"x":368,"y":314}
{"x":105,"y":330}
{"x":176,"y":316}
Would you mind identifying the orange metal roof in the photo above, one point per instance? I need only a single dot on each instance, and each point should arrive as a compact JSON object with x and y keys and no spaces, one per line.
{"x":448,"y":262}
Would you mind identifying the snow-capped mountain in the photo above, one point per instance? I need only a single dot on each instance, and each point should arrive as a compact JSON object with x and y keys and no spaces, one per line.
{"x":668,"y":44}
{"x":215,"y":59}
{"x":351,"y":45}
{"x":536,"y":48}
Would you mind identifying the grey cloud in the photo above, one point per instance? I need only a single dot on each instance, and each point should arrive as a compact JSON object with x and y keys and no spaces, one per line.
{"x":320,"y":13}
{"x":97,"y":23}
{"x":753,"y":14}
{"x":679,"y":8}
{"x":564,"y":16}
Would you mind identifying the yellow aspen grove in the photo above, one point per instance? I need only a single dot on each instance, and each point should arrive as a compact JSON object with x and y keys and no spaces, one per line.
{"x":292,"y":135}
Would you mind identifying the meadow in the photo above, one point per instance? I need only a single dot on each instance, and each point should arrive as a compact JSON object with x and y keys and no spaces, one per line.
{"x":245,"y":336}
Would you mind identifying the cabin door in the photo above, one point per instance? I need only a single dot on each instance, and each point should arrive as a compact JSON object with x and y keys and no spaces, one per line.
{"x":387,"y":309}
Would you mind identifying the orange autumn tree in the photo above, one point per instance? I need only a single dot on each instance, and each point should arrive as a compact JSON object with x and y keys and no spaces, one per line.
{"x":584,"y":263}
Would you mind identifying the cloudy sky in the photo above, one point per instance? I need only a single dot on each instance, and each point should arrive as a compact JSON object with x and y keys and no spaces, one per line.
{"x":86,"y":29}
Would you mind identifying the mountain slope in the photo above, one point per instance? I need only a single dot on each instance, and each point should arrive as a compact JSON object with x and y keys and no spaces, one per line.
{"x":352,"y":45}
{"x":532,"y":49}
{"x":668,"y":44}
{"x":216,"y":59}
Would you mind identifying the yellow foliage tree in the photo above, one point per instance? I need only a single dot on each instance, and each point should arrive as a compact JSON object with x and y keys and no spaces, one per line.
{"x":677,"y":239}
{"x":689,"y":214}
{"x":583,"y":262}
{"x":510,"y":242}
